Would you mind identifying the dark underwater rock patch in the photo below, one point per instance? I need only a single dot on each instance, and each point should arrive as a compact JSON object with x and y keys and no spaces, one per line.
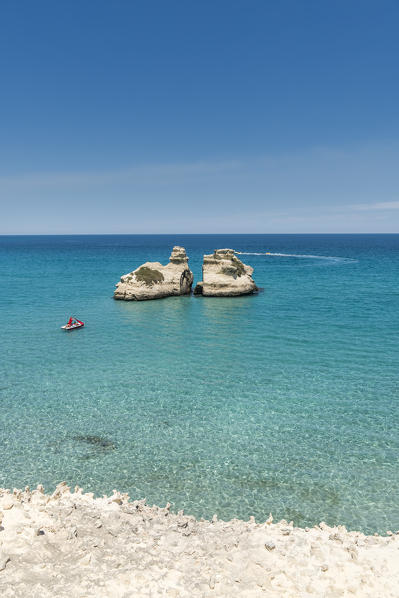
{"x":97,"y":444}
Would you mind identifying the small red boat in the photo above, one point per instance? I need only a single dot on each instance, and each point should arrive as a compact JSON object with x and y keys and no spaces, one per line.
{"x":73,"y":323}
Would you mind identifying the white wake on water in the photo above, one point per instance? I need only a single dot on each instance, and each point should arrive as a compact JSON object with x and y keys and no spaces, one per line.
{"x":298,"y":255}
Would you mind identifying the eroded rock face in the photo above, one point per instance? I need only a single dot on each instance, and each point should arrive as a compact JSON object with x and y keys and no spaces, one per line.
{"x":70,"y":544}
{"x":152,"y":280}
{"x":224,"y":275}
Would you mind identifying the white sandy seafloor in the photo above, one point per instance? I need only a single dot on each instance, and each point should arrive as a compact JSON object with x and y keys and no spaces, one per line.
{"x":71,"y":544}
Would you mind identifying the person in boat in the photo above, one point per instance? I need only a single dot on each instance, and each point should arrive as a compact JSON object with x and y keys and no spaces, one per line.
{"x":72,"y":323}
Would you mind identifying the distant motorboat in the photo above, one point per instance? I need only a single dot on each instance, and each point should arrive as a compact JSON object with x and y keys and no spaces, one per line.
{"x":73,"y":323}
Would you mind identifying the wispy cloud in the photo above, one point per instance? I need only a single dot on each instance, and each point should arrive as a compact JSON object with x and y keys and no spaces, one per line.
{"x":313,"y":190}
{"x":383,"y":205}
{"x":140,"y":174}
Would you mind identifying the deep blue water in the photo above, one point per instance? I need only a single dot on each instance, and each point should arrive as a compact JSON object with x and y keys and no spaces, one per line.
{"x":286,"y":401}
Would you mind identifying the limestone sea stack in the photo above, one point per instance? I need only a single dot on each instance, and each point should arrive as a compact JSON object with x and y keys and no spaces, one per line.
{"x":224,"y":275}
{"x":152,"y":280}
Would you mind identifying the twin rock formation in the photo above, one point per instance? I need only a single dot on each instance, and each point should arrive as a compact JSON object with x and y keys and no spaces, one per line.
{"x":224,"y":275}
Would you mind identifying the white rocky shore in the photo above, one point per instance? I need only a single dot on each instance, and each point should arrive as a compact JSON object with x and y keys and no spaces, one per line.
{"x":71,"y":544}
{"x":224,"y":275}
{"x":152,"y":280}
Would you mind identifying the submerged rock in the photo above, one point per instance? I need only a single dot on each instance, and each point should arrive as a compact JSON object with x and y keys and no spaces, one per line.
{"x":224,"y":275}
{"x":152,"y":280}
{"x":97,"y":441}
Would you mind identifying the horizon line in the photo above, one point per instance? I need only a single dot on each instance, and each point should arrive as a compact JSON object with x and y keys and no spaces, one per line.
{"x":181,"y":234}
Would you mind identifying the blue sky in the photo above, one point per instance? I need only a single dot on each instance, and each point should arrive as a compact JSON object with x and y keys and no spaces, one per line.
{"x":206,"y":116}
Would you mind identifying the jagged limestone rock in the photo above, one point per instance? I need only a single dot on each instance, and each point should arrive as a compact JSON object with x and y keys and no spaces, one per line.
{"x":53,"y":545}
{"x":152,"y":280}
{"x":224,"y":275}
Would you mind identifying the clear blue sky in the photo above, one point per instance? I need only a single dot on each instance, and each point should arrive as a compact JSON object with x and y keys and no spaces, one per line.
{"x":199,"y":116}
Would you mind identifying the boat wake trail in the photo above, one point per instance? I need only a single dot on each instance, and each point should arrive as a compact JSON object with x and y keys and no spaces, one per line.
{"x":330,"y":258}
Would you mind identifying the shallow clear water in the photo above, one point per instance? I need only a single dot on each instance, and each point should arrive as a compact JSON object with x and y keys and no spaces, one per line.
{"x":286,"y":401}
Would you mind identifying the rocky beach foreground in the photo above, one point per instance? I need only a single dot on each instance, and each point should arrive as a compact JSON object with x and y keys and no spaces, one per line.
{"x":72,"y":544}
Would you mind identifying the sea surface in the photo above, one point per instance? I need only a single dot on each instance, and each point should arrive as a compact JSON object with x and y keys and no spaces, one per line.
{"x":284,"y":402}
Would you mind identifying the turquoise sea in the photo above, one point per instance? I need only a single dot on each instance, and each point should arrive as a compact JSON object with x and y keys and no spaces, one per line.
{"x":284,"y":402}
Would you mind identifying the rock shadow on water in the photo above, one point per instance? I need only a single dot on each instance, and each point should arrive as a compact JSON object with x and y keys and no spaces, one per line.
{"x":256,"y":483}
{"x":99,"y":445}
